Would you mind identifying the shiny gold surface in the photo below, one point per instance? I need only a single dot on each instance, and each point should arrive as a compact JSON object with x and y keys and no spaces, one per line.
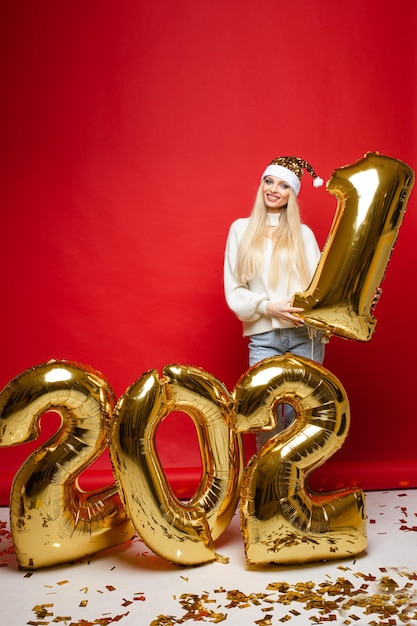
{"x":52,"y":520}
{"x":282,"y":521}
{"x":182,"y":533}
{"x":372,"y":197}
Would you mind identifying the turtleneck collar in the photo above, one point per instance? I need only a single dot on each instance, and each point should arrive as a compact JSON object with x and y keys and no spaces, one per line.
{"x":273,"y":219}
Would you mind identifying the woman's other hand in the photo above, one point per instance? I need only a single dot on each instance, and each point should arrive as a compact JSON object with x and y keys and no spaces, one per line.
{"x":284,"y":311}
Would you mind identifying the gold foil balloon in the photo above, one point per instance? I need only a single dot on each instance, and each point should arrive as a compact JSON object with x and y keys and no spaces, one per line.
{"x":372,"y":197}
{"x":182,"y":533}
{"x":282,"y":521}
{"x":52,"y":520}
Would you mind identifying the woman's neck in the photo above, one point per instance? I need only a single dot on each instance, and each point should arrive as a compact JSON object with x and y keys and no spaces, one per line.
{"x":272,"y":219}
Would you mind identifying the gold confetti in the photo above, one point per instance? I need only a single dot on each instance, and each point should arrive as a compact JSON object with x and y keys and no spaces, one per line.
{"x":222,"y":559}
{"x":383,"y":598}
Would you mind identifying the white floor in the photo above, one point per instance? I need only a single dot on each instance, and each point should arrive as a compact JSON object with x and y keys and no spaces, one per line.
{"x":131,"y":586}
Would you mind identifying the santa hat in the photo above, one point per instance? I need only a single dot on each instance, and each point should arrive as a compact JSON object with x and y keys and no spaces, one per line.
{"x":290,"y":169}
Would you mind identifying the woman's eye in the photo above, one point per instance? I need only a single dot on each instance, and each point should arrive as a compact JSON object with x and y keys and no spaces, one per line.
{"x":268,"y":181}
{"x":284,"y":186}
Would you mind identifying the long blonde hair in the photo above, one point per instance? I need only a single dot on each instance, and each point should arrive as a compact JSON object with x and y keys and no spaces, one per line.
{"x":288,"y":257}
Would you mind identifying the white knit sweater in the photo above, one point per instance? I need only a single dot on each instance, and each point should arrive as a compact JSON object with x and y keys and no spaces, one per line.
{"x":249,"y":300}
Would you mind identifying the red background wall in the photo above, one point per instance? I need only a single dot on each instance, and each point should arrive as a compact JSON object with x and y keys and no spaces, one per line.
{"x":134,"y":133}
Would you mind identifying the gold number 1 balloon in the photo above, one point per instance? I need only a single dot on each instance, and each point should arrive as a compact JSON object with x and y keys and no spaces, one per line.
{"x":372,"y":197}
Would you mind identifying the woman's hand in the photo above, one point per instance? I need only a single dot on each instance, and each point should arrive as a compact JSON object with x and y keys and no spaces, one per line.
{"x":284,"y":311}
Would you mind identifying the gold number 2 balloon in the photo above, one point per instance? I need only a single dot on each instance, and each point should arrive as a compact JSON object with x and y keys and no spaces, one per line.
{"x":372,"y":197}
{"x":182,"y":533}
{"x":52,"y":520}
{"x":282,"y":521}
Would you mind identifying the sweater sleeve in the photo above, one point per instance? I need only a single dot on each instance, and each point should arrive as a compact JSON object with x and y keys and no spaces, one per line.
{"x":247,"y":305}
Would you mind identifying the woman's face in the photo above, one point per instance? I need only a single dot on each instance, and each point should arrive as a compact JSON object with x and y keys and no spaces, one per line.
{"x":275,"y":193}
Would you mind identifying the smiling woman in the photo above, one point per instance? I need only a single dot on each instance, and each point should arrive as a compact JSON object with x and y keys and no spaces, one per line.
{"x":269,"y":256}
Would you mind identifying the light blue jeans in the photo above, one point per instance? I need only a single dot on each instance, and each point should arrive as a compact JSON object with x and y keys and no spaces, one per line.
{"x":300,"y":341}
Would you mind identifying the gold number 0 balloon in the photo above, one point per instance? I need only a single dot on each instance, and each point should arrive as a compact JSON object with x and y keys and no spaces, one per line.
{"x":372,"y":197}
{"x":182,"y":533}
{"x":52,"y":520}
{"x":282,"y":521}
